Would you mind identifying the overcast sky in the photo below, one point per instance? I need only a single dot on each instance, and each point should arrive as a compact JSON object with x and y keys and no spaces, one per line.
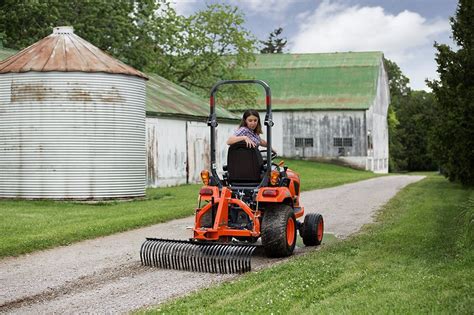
{"x":404,"y":30}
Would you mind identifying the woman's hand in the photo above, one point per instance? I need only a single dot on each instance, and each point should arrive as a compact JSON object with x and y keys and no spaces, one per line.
{"x":250,"y":143}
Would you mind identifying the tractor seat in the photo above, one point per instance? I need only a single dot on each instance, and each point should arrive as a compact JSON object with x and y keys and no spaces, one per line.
{"x":244,"y":165}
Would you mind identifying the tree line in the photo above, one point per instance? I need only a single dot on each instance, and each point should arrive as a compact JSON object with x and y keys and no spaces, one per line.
{"x":436,"y":130}
{"x":149,"y":35}
{"x":427,"y":131}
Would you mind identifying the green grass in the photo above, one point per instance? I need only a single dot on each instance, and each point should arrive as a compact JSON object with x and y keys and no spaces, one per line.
{"x":417,"y":258}
{"x":27,"y":226}
{"x":32,"y":225}
{"x":316,"y":175}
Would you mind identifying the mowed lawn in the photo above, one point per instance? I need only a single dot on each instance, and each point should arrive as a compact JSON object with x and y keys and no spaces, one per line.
{"x":417,"y":258}
{"x":26,"y":226}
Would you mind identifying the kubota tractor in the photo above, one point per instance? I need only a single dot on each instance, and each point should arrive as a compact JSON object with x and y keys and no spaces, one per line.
{"x":255,"y":199}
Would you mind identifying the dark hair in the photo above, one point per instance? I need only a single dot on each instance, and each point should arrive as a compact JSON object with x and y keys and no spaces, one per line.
{"x":251,"y":112}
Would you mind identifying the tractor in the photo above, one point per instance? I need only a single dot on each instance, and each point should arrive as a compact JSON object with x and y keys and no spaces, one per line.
{"x":254,"y":203}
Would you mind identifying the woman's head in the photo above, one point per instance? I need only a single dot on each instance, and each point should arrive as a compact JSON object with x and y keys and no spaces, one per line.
{"x":251,"y":120}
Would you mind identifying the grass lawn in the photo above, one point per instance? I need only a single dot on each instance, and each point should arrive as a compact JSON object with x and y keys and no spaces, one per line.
{"x":27,"y":226}
{"x":417,"y":258}
{"x":321,"y":175}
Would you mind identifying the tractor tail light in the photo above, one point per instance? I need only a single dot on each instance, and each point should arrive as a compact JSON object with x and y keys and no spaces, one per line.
{"x":205,"y":191}
{"x":205,"y":177}
{"x":270,"y":193}
{"x":274,"y":177}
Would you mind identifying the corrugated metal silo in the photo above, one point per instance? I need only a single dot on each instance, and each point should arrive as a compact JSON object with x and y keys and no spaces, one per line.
{"x":72,"y":122}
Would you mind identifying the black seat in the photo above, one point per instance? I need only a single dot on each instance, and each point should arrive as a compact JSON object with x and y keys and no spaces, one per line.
{"x":244,"y":165}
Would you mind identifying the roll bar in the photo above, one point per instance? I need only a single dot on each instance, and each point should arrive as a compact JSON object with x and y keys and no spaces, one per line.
{"x":212,"y":122}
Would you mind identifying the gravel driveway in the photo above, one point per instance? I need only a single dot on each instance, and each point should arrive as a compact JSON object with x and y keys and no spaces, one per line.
{"x":104,"y":275}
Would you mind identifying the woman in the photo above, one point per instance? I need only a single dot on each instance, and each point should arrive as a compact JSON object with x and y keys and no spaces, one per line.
{"x":249,"y":131}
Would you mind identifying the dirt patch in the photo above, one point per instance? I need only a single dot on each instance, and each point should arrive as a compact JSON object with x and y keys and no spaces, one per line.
{"x":104,"y":275}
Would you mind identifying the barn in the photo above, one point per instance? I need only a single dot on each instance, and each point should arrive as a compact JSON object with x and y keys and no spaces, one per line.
{"x":178,"y":141}
{"x":330,"y":106}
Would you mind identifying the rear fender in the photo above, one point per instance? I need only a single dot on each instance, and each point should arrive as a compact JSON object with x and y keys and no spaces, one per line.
{"x":215,"y":193}
{"x":282,"y":193}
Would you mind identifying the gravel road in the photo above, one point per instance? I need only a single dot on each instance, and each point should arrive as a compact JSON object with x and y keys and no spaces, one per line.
{"x":104,"y":275}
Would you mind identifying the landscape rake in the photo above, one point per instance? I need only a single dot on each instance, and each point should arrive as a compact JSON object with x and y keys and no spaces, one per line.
{"x":194,"y":256}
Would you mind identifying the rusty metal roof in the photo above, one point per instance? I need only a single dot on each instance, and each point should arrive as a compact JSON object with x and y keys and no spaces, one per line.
{"x":64,"y":51}
{"x":320,"y":81}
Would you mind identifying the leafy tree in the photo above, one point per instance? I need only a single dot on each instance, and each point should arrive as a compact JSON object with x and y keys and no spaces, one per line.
{"x":399,"y":91}
{"x":415,"y":117}
{"x":453,"y":133}
{"x":25,"y":22}
{"x":274,"y":44}
{"x":149,"y":35}
{"x":206,"y":47}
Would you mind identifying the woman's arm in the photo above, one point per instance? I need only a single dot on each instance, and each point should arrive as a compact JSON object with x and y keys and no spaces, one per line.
{"x":234,"y":139}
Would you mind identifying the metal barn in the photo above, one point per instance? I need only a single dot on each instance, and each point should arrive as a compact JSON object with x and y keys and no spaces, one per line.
{"x":328,"y":106}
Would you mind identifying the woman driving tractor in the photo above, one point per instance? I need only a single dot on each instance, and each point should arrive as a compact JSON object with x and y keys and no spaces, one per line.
{"x":249,"y":131}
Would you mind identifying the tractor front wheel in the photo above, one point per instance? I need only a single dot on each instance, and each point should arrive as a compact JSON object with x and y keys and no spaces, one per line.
{"x":279,"y":230}
{"x":313,"y":229}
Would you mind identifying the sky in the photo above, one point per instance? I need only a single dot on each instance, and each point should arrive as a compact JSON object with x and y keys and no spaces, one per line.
{"x":404,"y":30}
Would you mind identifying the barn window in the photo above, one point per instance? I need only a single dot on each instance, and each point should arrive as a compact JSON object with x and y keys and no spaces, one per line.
{"x":303,"y":142}
{"x":342,"y":142}
{"x":299,"y":142}
{"x":347,"y":142}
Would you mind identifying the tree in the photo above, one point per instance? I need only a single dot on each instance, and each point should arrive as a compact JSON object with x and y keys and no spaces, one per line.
{"x":415,"y":117}
{"x":274,"y":44}
{"x":452,"y":139}
{"x":206,"y":47}
{"x":25,"y":22}
{"x":194,"y":52}
{"x":399,"y":91}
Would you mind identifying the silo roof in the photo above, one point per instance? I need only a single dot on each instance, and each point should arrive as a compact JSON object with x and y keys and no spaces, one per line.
{"x":65,"y":52}
{"x":319,"y":81}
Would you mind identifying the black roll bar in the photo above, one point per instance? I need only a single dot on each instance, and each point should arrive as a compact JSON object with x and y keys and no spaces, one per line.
{"x":212,"y":122}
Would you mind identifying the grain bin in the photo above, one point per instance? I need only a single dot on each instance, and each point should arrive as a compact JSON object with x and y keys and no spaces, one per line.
{"x":72,"y":122}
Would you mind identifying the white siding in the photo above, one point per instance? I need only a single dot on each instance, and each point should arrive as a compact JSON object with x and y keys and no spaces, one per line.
{"x":166,"y":152}
{"x":377,"y":126}
{"x":199,"y":146}
{"x":178,"y":150}
{"x":322,"y":127}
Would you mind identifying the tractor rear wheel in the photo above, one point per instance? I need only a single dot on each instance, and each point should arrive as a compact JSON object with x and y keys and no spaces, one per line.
{"x":313,"y":229}
{"x":279,"y":230}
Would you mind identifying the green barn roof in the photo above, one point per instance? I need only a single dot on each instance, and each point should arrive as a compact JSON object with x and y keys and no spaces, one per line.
{"x":164,"y":98}
{"x":318,"y":81}
{"x":5,"y":53}
{"x":168,"y":99}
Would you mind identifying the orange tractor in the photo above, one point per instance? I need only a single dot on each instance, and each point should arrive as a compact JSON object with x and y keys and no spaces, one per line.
{"x":255,"y":199}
